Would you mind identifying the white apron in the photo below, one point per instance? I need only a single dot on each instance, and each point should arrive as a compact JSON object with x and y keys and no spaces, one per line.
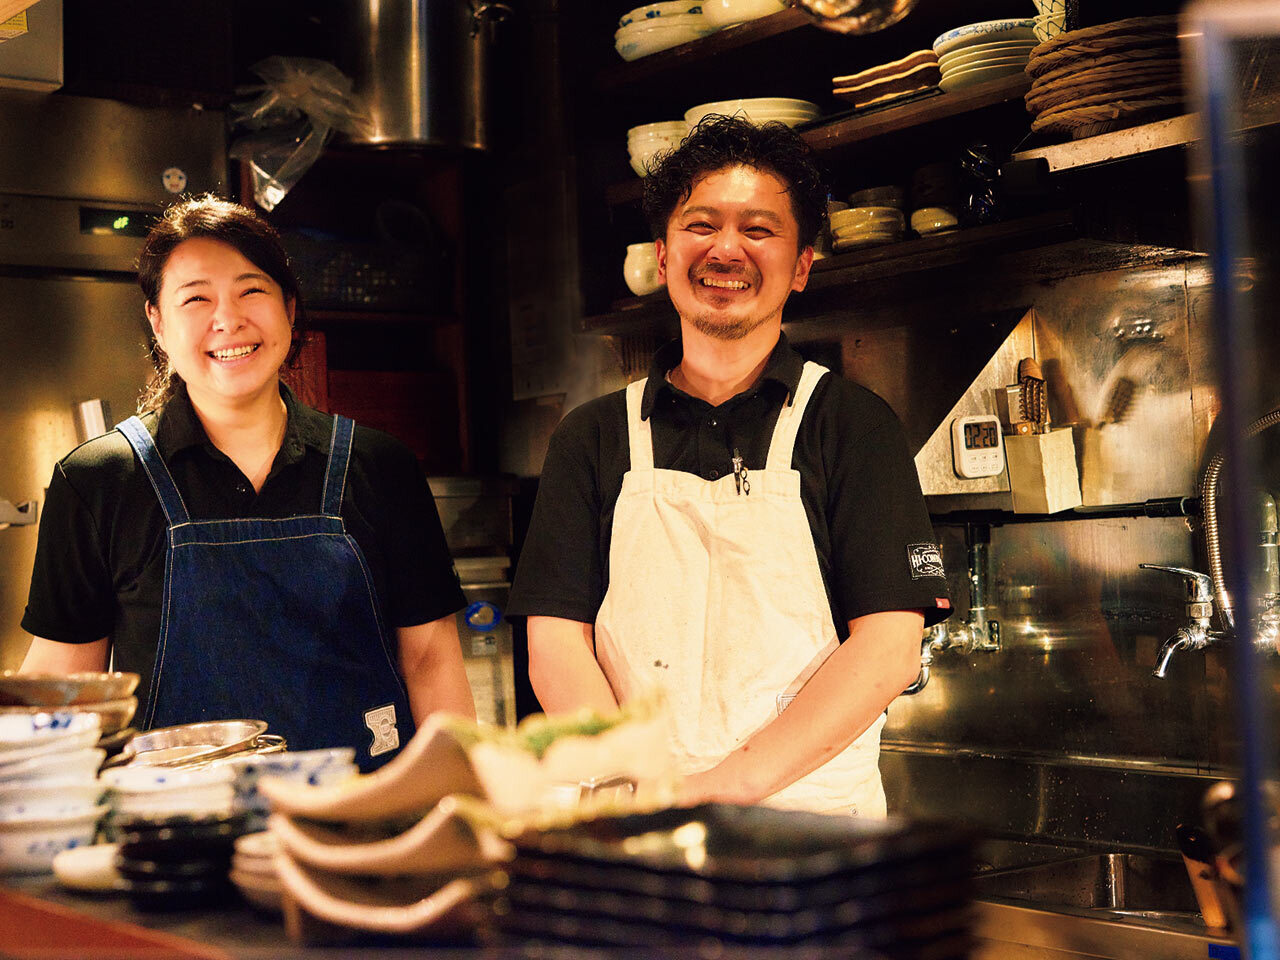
{"x":716,"y":598}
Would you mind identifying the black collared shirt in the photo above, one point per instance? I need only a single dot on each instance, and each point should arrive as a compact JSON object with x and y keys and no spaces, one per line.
{"x":858,"y":482}
{"x":99,"y":567}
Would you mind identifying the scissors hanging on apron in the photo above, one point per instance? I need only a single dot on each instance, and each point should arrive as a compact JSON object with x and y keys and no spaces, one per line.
{"x":274,"y":619}
{"x":716,"y":598}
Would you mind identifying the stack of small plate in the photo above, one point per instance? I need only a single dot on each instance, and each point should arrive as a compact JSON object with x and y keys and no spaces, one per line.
{"x":979,"y":52}
{"x":1104,"y":77}
{"x":253,"y":871}
{"x":49,"y":794}
{"x":720,"y":878}
{"x":910,"y":76}
{"x":865,"y":227}
{"x":757,"y":110}
{"x":176,"y":862}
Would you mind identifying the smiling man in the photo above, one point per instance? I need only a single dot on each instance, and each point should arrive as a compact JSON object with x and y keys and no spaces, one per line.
{"x":741,"y":530}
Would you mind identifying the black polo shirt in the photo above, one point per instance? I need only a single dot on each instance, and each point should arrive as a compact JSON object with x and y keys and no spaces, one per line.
{"x":875,"y":544}
{"x":100,"y":554}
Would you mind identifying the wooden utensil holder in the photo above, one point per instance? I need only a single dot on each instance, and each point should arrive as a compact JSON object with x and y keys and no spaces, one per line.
{"x":1042,"y":471}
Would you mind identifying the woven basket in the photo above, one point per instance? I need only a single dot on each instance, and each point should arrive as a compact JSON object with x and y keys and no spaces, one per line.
{"x":1100,"y":118}
{"x":1090,"y":93}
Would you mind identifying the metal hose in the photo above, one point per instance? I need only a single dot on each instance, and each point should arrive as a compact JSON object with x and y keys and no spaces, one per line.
{"x":1209,"y":506}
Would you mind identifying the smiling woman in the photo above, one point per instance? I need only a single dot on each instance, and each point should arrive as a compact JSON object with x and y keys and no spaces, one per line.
{"x":247,"y":555}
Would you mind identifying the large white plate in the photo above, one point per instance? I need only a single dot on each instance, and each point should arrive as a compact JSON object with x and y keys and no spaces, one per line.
{"x":989,"y":31}
{"x":983,"y":64}
{"x":1008,"y":48}
{"x":973,"y":77}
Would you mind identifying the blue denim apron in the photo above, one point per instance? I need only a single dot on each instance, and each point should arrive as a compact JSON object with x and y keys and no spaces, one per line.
{"x":274,"y":619}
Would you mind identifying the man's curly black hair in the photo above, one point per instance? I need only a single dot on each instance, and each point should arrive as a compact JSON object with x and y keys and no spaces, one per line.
{"x":718,"y":142}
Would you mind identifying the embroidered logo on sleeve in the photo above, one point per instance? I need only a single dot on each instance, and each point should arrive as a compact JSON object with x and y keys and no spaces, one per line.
{"x":925,"y":560}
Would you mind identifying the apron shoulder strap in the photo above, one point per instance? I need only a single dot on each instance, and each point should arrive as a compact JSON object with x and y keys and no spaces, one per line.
{"x":175,"y":511}
{"x":789,"y":418}
{"x":638,"y":431}
{"x":335,"y":478}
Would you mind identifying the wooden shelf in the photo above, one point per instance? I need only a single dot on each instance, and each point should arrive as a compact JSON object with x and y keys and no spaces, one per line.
{"x":860,"y":127}
{"x":722,"y":41}
{"x":916,"y":113}
{"x":871,"y":286}
{"x":1134,"y":141}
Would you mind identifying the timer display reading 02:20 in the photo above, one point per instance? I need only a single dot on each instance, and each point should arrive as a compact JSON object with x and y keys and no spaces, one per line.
{"x":981,"y":436}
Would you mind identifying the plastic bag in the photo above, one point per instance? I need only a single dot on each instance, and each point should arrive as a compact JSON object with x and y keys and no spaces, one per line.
{"x":300,"y":103}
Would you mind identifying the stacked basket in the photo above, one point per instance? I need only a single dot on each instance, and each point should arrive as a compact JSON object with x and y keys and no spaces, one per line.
{"x":1104,"y":77}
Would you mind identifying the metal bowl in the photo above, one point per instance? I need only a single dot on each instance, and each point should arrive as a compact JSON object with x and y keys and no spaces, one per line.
{"x":190,"y":743}
{"x":62,"y":690}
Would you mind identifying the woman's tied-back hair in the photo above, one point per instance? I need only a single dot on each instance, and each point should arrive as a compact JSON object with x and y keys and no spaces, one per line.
{"x":719,"y":142}
{"x":216,"y":219}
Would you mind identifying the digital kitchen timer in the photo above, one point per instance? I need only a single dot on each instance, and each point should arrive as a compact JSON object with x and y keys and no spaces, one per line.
{"x":977,"y":446}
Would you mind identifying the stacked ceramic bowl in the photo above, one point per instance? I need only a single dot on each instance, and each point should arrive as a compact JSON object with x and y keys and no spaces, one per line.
{"x":648,"y":141}
{"x":980,"y":52}
{"x":109,"y":695}
{"x":146,"y":791}
{"x":50,"y":798}
{"x":1051,"y":19}
{"x":726,"y":13}
{"x":314,"y":768}
{"x":660,"y":26}
{"x":757,"y":110}
{"x":869,"y":226}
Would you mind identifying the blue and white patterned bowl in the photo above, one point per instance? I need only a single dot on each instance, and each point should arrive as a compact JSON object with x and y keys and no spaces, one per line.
{"x":23,"y":736}
{"x":655,"y":10}
{"x":988,"y":31}
{"x":30,"y":846}
{"x":59,"y":802}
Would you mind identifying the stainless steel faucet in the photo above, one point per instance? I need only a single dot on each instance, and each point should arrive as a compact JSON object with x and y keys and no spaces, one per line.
{"x":1197,"y":634}
{"x":977,"y":633}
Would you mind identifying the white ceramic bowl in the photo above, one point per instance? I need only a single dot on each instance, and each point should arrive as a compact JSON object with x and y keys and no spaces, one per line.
{"x":725,"y":13}
{"x":640,"y":269}
{"x":30,"y":846}
{"x":663,"y":128}
{"x":215,"y":799}
{"x":24,"y":737}
{"x":887,"y":196}
{"x":652,"y":36}
{"x":753,"y":106}
{"x":56,"y":802}
{"x":147,"y":779}
{"x":671,"y":8}
{"x":113,"y":714}
{"x":862,"y":217}
{"x":931,"y":220}
{"x":642,"y":160}
{"x":71,"y":765}
{"x":988,"y":31}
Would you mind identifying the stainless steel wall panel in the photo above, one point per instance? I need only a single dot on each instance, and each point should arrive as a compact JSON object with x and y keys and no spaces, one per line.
{"x":93,"y":149}
{"x":62,"y":342}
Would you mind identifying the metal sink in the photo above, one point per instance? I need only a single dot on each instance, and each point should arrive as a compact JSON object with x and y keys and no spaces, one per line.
{"x":1125,"y":884}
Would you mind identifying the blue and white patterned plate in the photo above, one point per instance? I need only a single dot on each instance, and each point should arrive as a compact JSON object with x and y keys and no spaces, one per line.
{"x":655,"y":10}
{"x":988,"y":31}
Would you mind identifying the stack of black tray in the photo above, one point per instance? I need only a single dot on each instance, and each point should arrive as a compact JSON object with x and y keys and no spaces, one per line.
{"x":727,"y":876}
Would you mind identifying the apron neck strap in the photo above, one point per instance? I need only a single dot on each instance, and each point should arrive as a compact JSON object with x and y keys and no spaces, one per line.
{"x":788,"y":426}
{"x":335,"y":478}
{"x":175,"y":511}
{"x":638,"y":431}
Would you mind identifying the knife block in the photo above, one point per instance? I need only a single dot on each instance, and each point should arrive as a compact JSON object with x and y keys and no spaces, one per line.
{"x":1042,"y":471}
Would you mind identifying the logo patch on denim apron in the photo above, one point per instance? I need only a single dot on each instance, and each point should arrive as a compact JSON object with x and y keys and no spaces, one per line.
{"x":381,"y":722}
